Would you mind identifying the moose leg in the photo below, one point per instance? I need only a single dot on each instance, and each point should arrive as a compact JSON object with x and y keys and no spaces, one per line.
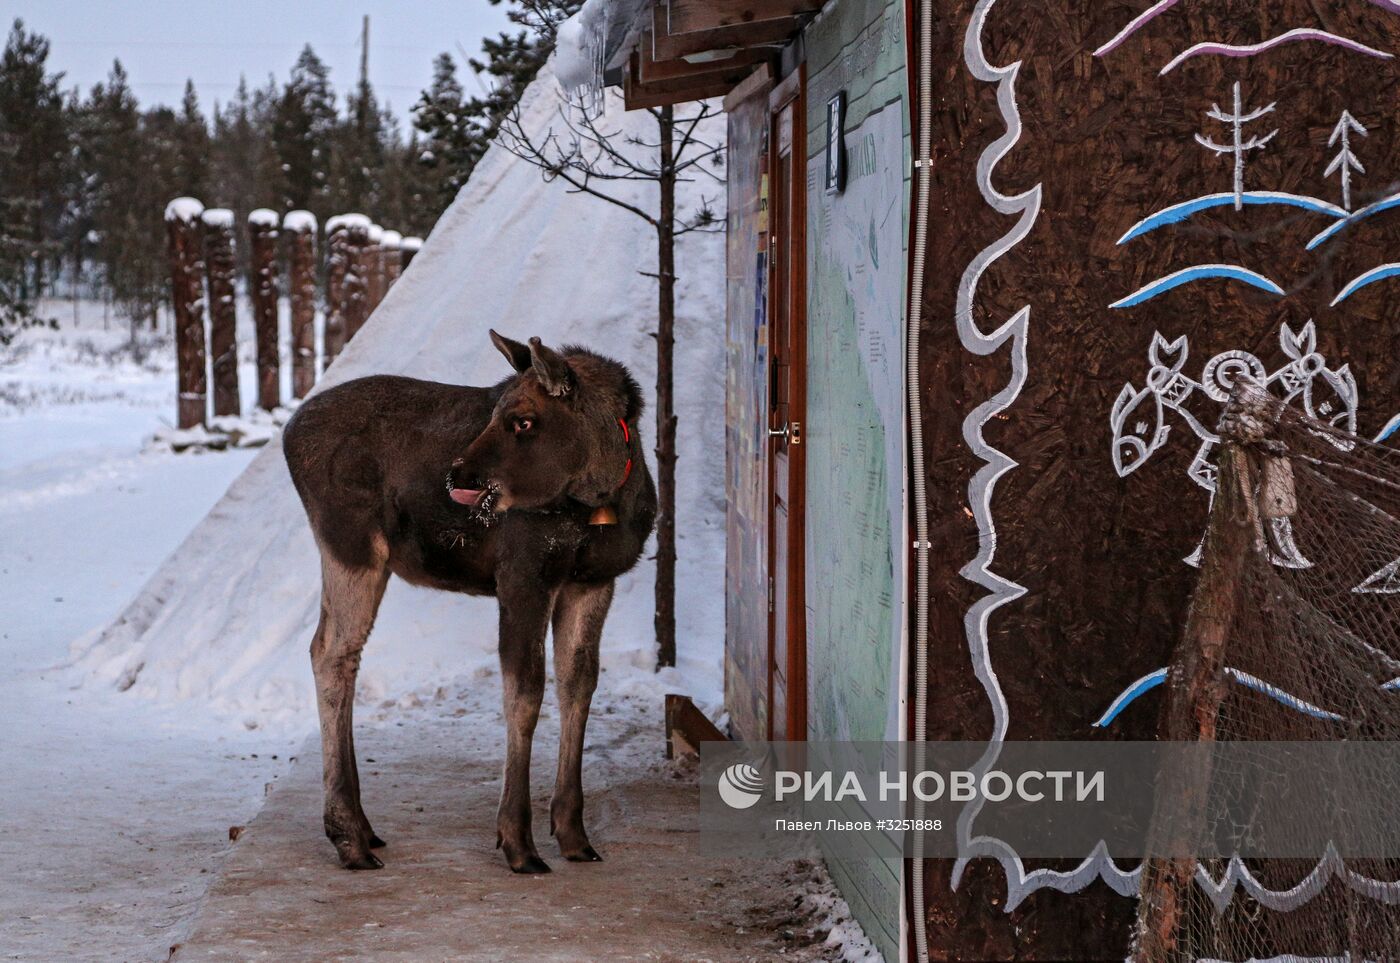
{"x":524,"y":620}
{"x":579,"y":611}
{"x":349,"y":600}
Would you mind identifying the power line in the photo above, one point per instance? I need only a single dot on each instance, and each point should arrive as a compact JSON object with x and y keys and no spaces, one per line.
{"x":264,"y":45}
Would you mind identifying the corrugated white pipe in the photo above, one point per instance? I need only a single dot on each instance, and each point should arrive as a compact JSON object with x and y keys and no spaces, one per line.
{"x":923,"y":171}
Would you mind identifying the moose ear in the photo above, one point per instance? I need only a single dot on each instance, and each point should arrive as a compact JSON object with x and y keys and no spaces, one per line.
{"x":553,"y":371}
{"x":516,"y":353}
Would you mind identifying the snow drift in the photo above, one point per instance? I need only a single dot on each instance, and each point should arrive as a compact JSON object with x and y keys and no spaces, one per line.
{"x":228,"y":618}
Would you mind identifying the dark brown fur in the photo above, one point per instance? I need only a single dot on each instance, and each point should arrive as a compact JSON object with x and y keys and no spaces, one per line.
{"x":375,"y":460}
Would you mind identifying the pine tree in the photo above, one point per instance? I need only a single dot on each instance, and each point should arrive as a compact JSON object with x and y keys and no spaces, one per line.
{"x":362,"y":142}
{"x":117,"y":156}
{"x":32,"y":162}
{"x":303,"y":130}
{"x":459,"y":129}
{"x":191,"y":175}
{"x":452,"y":143}
{"x":243,"y":166}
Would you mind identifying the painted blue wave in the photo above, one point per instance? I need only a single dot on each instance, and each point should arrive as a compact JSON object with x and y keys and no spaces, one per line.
{"x":1146,"y":684}
{"x":1360,"y":214}
{"x":1390,"y":428}
{"x":1197,"y":273}
{"x":1183,"y":211}
{"x":1153,"y":679}
{"x":1363,"y":280}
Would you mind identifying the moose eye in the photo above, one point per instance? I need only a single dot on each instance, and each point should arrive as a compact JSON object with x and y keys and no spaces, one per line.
{"x":523,"y":425}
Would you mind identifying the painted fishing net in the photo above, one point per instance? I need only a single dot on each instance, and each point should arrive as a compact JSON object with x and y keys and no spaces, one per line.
{"x":1293,"y":636}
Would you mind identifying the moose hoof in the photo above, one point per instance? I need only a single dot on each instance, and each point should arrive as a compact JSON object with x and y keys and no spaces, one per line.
{"x":587,"y":854}
{"x":365,"y":861}
{"x":530,"y":866}
{"x":375,"y":842}
{"x":354,"y":852}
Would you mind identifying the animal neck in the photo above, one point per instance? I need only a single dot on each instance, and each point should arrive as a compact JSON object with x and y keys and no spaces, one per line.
{"x":607,"y":514}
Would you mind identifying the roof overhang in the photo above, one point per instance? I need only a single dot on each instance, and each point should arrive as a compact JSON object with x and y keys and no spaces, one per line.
{"x":677,"y":51}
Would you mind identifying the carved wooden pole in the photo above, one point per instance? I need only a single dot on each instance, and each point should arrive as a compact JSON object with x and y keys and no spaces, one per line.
{"x":220,"y":269}
{"x":409,"y":249}
{"x":357,"y":275}
{"x":374,"y":269}
{"x":337,"y":268}
{"x":390,"y":247}
{"x":187,"y":295}
{"x":262,"y":282}
{"x":300,"y":226}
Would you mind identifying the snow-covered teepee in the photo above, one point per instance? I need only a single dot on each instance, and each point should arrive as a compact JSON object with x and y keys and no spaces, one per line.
{"x":228,"y":618}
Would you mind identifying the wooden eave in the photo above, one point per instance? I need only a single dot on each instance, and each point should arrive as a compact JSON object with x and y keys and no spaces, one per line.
{"x":697,"y":49}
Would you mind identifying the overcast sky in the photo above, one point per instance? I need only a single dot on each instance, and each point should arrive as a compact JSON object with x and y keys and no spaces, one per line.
{"x":161,"y":42}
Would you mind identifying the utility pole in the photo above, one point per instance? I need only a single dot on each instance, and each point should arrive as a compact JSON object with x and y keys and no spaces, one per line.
{"x":361,"y":114}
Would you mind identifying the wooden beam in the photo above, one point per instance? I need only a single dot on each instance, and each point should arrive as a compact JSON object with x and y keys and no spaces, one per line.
{"x":668,"y":47}
{"x":687,"y":727}
{"x":651,"y":70}
{"x":637,"y":96}
{"x":755,"y":83}
{"x":693,"y":16}
{"x":682,"y":82}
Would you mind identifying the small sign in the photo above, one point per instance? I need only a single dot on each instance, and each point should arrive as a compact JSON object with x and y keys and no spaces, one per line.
{"x":836,"y":143}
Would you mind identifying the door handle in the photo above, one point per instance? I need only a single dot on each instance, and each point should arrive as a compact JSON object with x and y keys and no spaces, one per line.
{"x":791,"y":432}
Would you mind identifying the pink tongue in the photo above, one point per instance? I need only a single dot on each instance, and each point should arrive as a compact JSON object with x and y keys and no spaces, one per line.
{"x":466,"y":496}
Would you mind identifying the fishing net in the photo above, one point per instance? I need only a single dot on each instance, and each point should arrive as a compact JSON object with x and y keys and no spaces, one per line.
{"x":1291,"y":637}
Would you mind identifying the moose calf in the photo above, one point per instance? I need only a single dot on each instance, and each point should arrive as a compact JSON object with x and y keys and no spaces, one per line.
{"x":534,"y":491}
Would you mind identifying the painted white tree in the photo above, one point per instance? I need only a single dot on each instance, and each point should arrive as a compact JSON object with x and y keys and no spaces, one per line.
{"x":1238,"y":146}
{"x":1345,"y":162}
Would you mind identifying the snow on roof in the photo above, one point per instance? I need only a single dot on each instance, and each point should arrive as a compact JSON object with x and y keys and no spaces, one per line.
{"x":218,"y":217}
{"x":376,"y":233}
{"x":183,"y":209}
{"x":299,"y":221}
{"x":411,"y":244}
{"x":590,"y":40}
{"x":347,"y":221}
{"x":263,"y":216}
{"x":391,"y":240}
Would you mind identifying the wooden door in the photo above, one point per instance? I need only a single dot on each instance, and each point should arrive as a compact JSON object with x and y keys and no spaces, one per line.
{"x":787,"y":677}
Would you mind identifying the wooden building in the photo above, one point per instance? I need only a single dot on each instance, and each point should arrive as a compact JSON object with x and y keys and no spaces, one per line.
{"x":994,"y":264}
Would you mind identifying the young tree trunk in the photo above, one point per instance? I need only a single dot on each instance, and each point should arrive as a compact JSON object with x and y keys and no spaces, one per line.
{"x":187,"y":296}
{"x":303,"y":298}
{"x":223,"y":315}
{"x":665,"y":401}
{"x":263,"y":281}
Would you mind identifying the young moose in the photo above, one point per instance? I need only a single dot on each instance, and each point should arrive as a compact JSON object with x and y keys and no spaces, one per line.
{"x":534,"y":491}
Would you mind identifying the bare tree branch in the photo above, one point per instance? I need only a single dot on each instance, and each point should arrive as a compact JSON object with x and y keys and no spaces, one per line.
{"x":576,"y":151}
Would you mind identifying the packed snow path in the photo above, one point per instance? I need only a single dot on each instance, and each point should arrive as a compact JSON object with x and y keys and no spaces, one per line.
{"x":431,"y":780}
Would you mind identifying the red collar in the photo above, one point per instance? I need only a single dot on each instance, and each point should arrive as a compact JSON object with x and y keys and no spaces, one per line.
{"x":627,"y":438}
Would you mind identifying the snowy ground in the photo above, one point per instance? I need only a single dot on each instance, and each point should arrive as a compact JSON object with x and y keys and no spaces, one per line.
{"x":115,"y":813}
{"x":117,"y":810}
{"x":185,"y":633}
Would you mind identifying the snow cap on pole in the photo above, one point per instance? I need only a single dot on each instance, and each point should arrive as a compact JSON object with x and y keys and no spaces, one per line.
{"x":299,"y":222}
{"x":184,"y":209}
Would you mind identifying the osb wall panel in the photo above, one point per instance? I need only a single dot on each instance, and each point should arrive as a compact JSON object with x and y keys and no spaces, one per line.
{"x":746,"y":403}
{"x":1109,"y":236}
